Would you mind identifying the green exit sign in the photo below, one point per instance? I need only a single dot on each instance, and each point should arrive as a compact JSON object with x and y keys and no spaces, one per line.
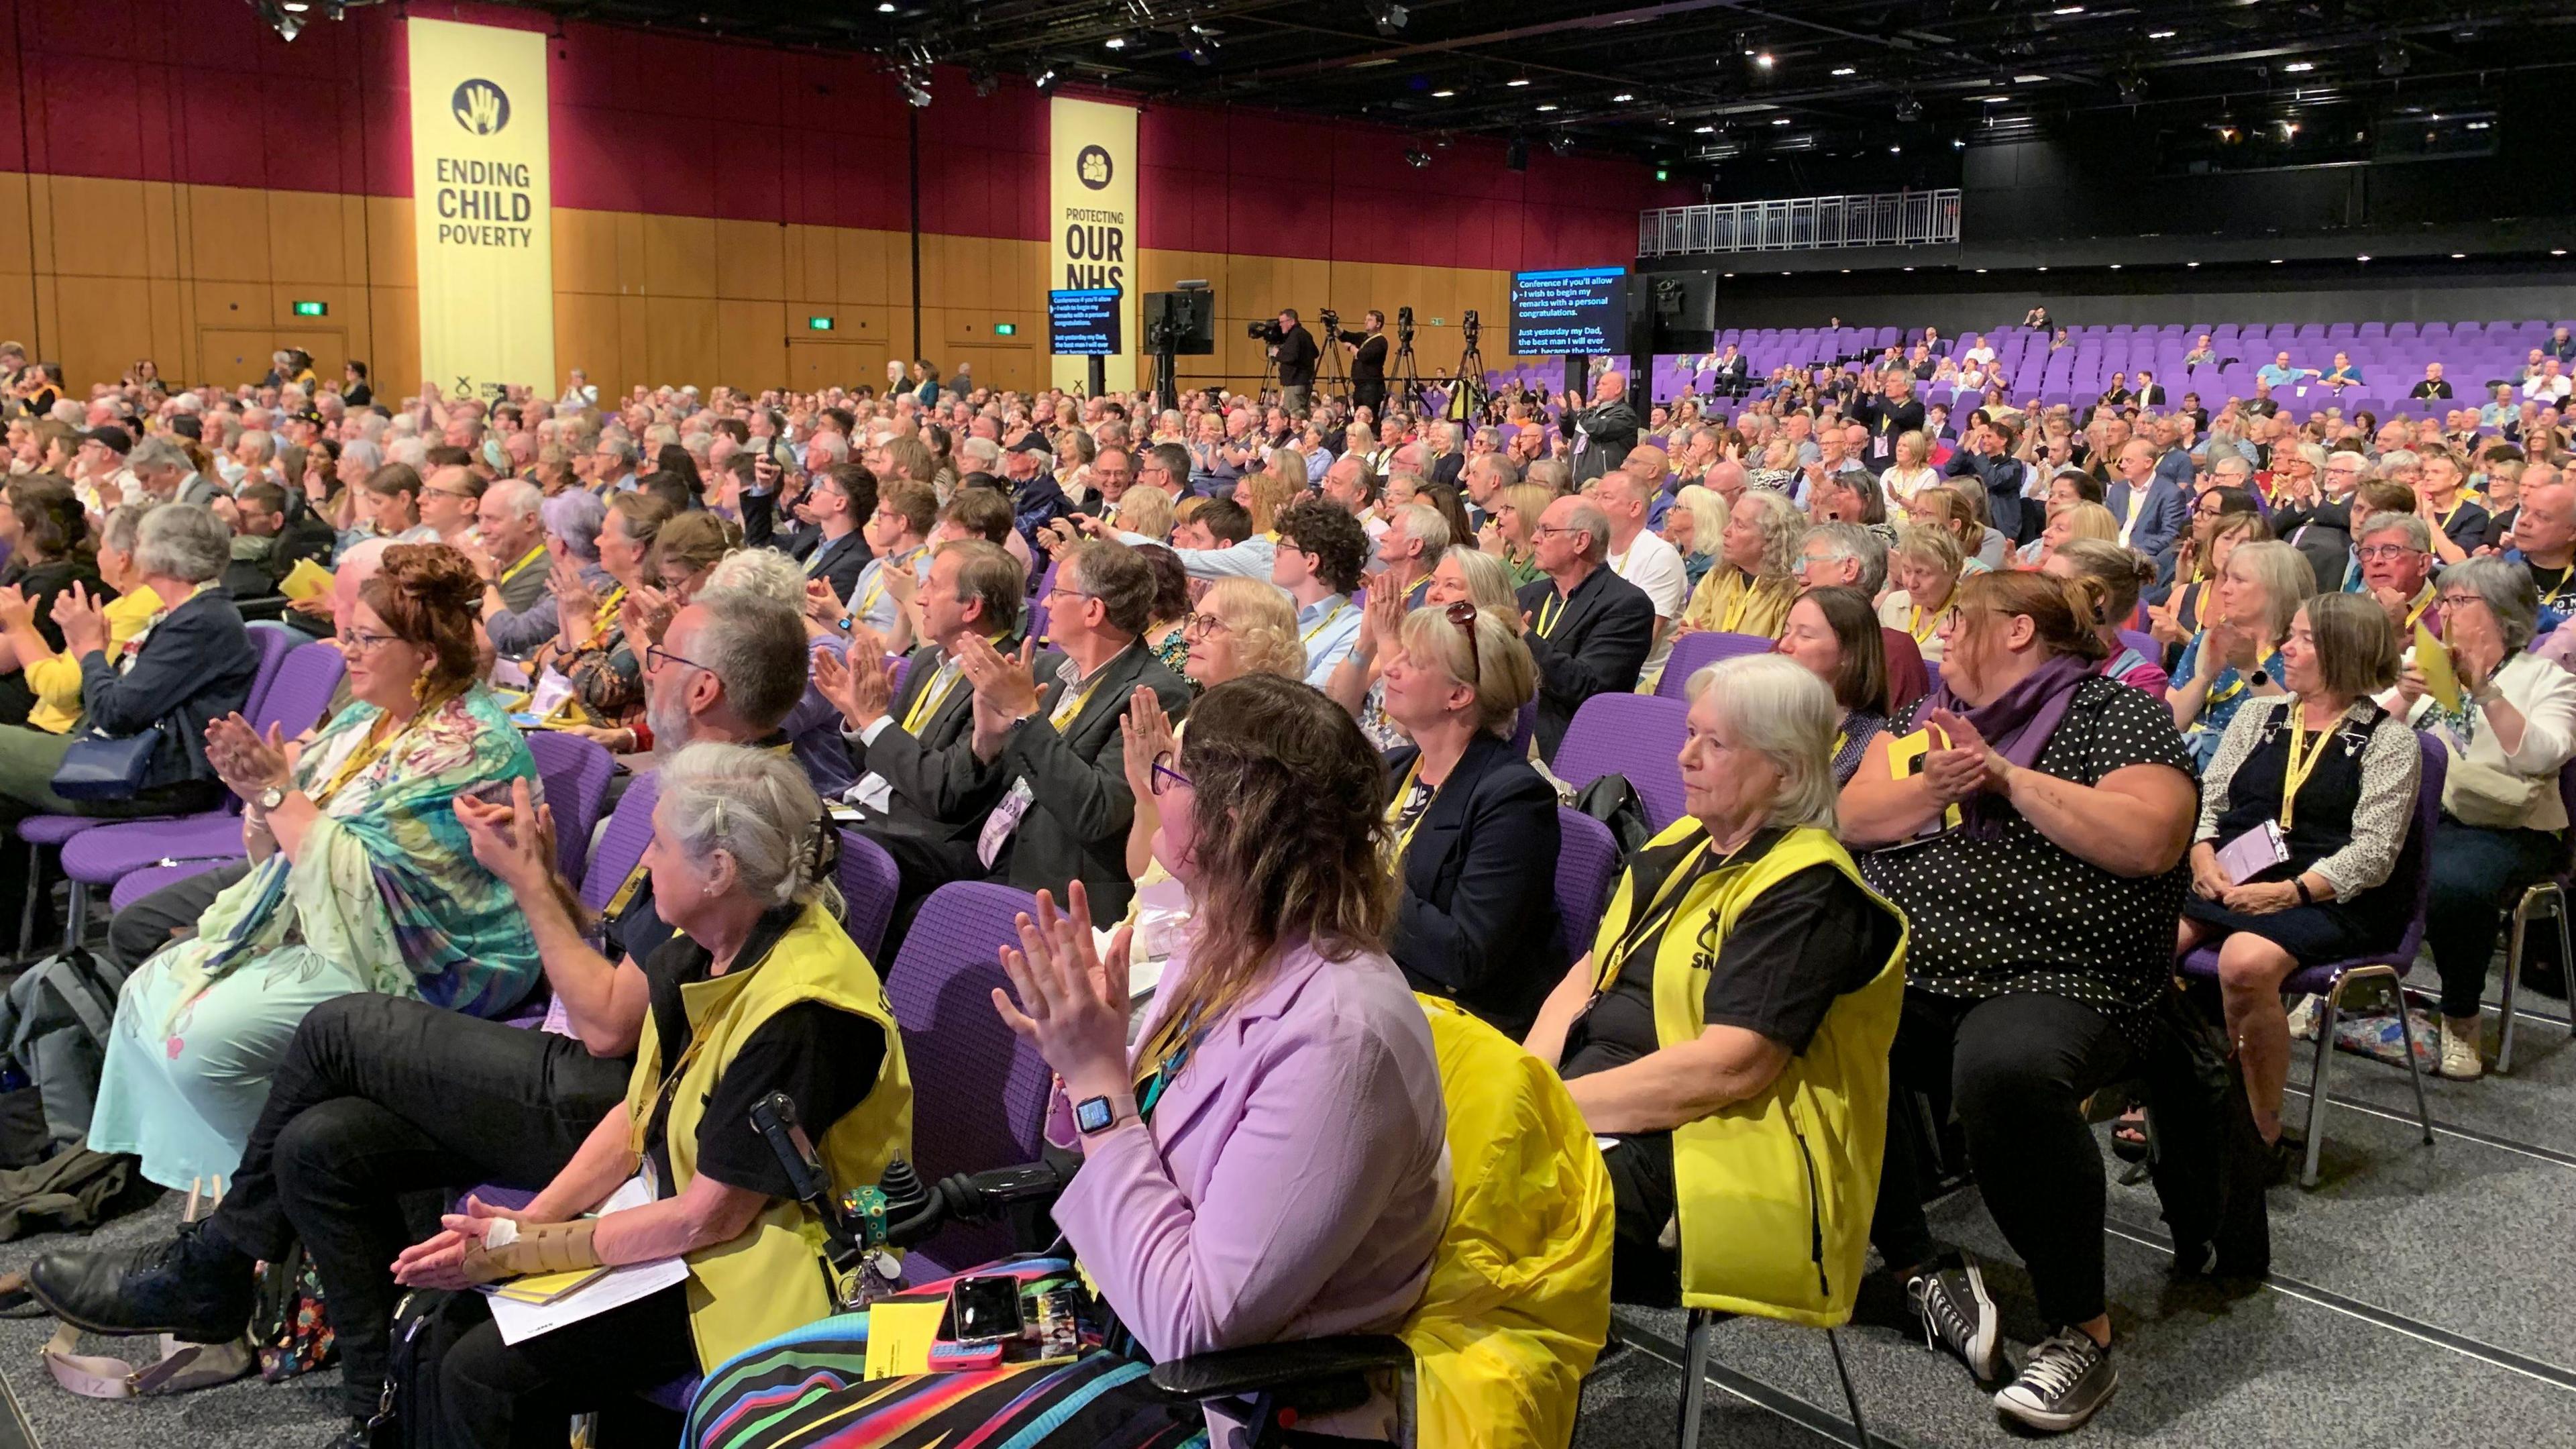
{"x":1662,"y":174}
{"x":819,"y":324}
{"x":1006,"y":329}
{"x":312,"y":309}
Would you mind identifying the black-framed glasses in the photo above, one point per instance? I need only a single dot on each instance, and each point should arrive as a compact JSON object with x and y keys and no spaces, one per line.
{"x":1165,"y":777}
{"x":1199,"y":626}
{"x":655,"y":656}
{"x":354,"y":642}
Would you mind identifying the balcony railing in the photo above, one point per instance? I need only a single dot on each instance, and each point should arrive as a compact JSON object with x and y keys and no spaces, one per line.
{"x":1805,"y":223}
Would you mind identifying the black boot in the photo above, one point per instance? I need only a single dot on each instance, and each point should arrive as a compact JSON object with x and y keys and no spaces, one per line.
{"x":192,"y":1287}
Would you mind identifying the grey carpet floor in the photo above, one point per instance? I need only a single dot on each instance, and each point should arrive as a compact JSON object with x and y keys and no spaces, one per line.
{"x":2421,"y":1297}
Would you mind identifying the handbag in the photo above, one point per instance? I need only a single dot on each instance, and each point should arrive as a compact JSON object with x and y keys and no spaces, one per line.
{"x":2488,"y":796}
{"x":103,"y":767}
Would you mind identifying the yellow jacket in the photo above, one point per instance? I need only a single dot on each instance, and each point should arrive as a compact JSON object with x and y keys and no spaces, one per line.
{"x":1774,"y":1193}
{"x":771,"y":1278}
{"x":1731,"y":601}
{"x":1519,"y":1299}
{"x":57,"y":681}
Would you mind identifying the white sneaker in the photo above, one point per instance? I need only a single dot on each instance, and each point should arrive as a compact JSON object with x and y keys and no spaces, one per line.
{"x":2303,"y":1017}
{"x":2461,"y":1061}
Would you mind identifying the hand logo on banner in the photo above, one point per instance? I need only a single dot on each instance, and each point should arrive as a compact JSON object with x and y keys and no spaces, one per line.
{"x":481,"y":108}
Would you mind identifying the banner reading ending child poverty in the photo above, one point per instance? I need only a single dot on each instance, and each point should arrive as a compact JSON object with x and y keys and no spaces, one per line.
{"x":482,"y":206}
{"x":1091,"y":220}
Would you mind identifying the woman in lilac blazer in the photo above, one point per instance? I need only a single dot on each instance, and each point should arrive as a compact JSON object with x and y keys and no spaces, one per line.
{"x":1268,"y":1164}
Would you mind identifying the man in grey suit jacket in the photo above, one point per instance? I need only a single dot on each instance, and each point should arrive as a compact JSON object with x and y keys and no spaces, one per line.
{"x":908,"y":798}
{"x":2149,"y":508}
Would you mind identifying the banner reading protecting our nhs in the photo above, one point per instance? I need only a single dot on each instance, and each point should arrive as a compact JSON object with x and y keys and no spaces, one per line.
{"x":1091,"y":219}
{"x":482,"y":206}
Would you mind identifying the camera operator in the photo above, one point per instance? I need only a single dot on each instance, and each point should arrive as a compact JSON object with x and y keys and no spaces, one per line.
{"x":1293,"y":349}
{"x":1368,"y":361}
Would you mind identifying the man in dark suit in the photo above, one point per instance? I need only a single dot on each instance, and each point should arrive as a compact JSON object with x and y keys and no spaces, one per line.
{"x":1296,"y":354}
{"x":1043,"y":774}
{"x":1887,"y":413}
{"x":2149,"y":393}
{"x":1602,"y":433}
{"x":837,"y":502}
{"x":1734,"y":373}
{"x":2433,"y":385}
{"x":900,"y":738}
{"x":1590,"y":630}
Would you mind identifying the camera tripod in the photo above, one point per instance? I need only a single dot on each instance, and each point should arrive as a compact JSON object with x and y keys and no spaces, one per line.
{"x":1330,"y":377}
{"x":1404,"y":378}
{"x":1468,"y":395}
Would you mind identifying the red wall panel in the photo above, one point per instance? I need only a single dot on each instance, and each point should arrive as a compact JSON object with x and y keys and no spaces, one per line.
{"x":200,"y":91}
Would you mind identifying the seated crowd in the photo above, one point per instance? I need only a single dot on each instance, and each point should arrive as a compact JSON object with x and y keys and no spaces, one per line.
{"x":1276,"y":703}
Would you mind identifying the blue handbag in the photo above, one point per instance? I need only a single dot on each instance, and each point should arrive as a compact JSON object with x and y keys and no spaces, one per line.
{"x":101,"y":767}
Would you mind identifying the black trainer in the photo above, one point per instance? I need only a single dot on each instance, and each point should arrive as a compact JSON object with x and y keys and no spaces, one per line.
{"x":192,"y":1288}
{"x":2068,"y":1379}
{"x":1959,"y":1317}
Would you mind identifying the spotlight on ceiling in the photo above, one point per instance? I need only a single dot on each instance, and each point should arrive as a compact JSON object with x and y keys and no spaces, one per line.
{"x":1765,"y":60}
{"x":1042,"y":74}
{"x":916,"y":87}
{"x":1562,"y":143}
{"x":1416,"y":157}
{"x":1908,"y":109}
{"x":982,"y":80}
{"x":1389,"y":18}
{"x":1116,"y":42}
{"x":2394,"y":57}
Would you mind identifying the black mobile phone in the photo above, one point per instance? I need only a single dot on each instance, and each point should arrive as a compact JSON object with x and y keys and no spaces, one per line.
{"x":982,"y":1309}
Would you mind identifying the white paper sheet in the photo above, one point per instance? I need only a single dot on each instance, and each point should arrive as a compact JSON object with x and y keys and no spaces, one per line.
{"x":622,"y":1285}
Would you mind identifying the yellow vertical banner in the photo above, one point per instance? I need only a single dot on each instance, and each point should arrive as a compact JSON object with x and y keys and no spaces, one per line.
{"x":1091,"y":218}
{"x":482,"y":207}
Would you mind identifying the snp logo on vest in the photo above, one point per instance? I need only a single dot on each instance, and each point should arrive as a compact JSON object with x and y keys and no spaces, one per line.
{"x":481,"y":107}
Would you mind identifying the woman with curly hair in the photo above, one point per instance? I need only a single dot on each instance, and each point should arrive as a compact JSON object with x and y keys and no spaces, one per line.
{"x":361,"y":879}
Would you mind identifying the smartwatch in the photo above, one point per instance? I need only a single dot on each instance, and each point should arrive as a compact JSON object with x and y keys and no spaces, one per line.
{"x":1094,"y":1115}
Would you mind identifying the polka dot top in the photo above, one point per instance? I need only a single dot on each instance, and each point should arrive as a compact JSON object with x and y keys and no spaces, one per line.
{"x":1996,"y":917}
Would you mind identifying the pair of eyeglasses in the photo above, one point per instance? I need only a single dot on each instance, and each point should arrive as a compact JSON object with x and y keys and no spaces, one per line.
{"x":2387,"y":552}
{"x":354,"y":642}
{"x":1164,"y":777}
{"x":655,"y":656}
{"x":1199,"y":626}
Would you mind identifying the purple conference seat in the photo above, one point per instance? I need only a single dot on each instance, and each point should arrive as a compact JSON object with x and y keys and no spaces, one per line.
{"x":1692,"y":651}
{"x":134,"y":885}
{"x":575,"y":772}
{"x":2413,"y":875}
{"x":621,"y":845}
{"x":2145,"y":643}
{"x":296,"y":693}
{"x":1587,"y":861}
{"x":1038,"y":605}
{"x":1636,"y":735}
{"x":270,"y":648}
{"x":869,"y":883}
{"x":979,"y":1094}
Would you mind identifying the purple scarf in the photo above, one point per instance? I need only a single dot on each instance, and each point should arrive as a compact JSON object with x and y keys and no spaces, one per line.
{"x":2018,"y":723}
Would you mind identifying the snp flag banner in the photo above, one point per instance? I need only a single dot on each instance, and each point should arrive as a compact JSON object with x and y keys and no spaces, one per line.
{"x":482,"y":206}
{"x":1091,"y":216}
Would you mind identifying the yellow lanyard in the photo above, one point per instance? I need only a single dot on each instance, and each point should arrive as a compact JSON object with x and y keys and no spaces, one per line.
{"x":877,"y":590}
{"x":927,"y":704}
{"x":2305,"y":750}
{"x":1069,"y":708}
{"x":1395,"y":813}
{"x":1325,"y":622}
{"x":522,"y":566}
{"x":1916,"y":628}
{"x":2421,"y":605}
{"x":1548,"y":612}
{"x":2443,"y":525}
{"x":607,"y":613}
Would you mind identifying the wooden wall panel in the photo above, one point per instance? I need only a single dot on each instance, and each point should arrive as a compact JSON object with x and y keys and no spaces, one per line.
{"x":639,"y":298}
